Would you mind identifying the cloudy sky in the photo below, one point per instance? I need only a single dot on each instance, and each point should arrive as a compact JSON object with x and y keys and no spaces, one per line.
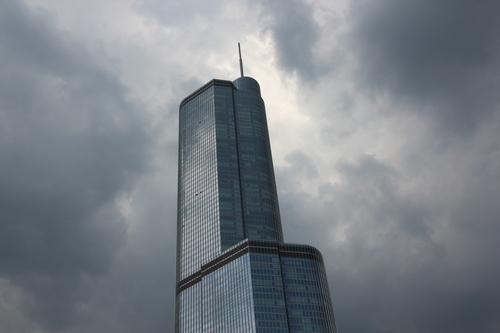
{"x":384,"y":119}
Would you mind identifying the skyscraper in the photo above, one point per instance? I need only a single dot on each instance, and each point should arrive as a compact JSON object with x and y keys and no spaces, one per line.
{"x":234,"y":271}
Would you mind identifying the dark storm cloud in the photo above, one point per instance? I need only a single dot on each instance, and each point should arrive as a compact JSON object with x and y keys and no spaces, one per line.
{"x":369,"y":194}
{"x":396,"y":258}
{"x":442,"y":56}
{"x":295,"y":34}
{"x":137,"y":294}
{"x":70,"y":142}
{"x":412,"y":258}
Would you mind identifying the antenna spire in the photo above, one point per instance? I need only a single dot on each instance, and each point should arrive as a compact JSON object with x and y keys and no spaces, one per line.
{"x":241,"y":61}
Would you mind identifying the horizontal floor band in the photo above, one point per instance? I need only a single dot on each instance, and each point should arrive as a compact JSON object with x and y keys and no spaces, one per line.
{"x":283,"y":250}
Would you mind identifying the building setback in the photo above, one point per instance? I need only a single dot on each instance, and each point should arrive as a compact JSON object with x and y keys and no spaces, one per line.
{"x":234,"y":271}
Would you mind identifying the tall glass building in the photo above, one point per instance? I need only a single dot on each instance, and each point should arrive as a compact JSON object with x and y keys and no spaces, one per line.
{"x":234,"y":271}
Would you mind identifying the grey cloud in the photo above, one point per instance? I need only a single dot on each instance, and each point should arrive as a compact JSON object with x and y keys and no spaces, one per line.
{"x":369,"y":199}
{"x":389,"y":251}
{"x":70,"y":142}
{"x":301,"y":166}
{"x":368,"y":195}
{"x":138,"y":291}
{"x":442,"y":56}
{"x":295,"y":34}
{"x":172,"y":13}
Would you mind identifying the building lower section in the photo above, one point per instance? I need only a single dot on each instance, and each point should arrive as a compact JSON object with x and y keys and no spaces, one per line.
{"x":258,"y":287}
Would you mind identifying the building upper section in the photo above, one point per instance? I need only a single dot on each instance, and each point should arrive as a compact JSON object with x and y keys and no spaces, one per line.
{"x":247,"y":84}
{"x":244,"y":83}
{"x":227,"y":190}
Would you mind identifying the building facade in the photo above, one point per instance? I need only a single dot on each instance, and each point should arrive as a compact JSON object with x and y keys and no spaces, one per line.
{"x":234,"y":271}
